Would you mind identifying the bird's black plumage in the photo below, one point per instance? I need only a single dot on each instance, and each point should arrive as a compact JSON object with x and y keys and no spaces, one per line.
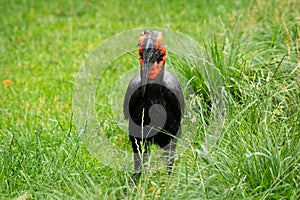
{"x":154,"y":108}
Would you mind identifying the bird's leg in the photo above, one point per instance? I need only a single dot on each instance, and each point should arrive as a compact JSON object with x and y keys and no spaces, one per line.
{"x":140,"y":156}
{"x":169,"y":153}
{"x":139,"y":161}
{"x":137,"y":167}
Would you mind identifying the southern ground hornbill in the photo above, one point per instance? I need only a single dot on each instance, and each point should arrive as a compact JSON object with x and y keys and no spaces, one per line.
{"x":153,"y":102}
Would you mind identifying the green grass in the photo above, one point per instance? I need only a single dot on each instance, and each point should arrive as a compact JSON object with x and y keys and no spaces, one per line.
{"x":255,"y":46}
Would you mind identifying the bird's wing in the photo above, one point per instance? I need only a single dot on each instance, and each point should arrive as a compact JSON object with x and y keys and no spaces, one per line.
{"x":171,"y":82}
{"x":132,"y":94}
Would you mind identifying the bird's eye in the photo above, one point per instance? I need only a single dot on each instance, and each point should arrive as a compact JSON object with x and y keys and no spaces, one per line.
{"x":160,"y":57}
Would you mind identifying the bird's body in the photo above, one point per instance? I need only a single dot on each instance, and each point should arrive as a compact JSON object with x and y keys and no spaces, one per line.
{"x":164,"y":118}
{"x":153,"y":102}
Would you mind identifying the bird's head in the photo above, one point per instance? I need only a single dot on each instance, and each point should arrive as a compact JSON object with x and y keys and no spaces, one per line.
{"x":152,"y":54}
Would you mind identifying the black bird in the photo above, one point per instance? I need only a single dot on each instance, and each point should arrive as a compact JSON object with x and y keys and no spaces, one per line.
{"x":154,"y":102}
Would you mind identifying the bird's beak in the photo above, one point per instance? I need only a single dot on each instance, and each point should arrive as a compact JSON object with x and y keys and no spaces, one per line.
{"x":144,"y":77}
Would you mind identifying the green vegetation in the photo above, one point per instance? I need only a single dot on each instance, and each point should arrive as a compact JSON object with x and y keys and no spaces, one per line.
{"x":254,"y":44}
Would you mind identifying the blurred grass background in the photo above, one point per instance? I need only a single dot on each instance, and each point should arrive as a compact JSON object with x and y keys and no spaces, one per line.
{"x":255,"y":44}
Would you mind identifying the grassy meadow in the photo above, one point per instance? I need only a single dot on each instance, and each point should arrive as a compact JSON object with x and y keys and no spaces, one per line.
{"x":255,"y":46}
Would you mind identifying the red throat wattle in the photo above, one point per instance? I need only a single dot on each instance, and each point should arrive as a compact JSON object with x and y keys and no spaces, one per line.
{"x":159,"y":45}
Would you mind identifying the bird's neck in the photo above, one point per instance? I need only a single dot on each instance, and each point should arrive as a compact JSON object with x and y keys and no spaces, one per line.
{"x":153,"y":91}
